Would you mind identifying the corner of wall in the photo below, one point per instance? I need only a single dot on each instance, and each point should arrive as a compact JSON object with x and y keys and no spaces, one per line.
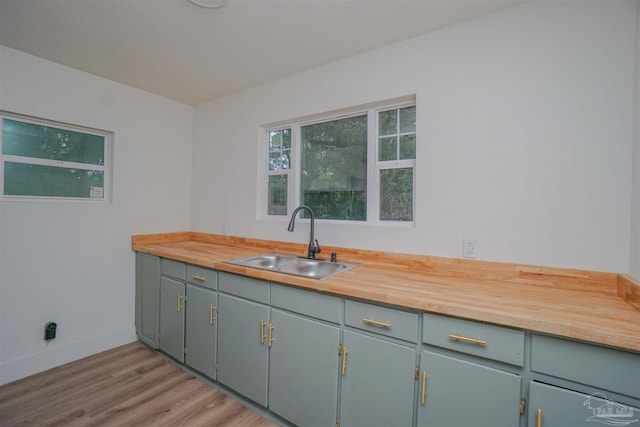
{"x":634,"y":252}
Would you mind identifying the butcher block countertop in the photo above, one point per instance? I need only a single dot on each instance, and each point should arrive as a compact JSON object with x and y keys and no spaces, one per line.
{"x":602,"y":308}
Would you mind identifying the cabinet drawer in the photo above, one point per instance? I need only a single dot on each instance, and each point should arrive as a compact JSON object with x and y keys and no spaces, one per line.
{"x":600,"y":367}
{"x":202,"y":276}
{"x":177,"y":269}
{"x":466,"y":336}
{"x":312,"y":304}
{"x":245,"y":287}
{"x":381,"y":320}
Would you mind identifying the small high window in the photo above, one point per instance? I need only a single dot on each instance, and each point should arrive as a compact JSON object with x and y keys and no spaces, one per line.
{"x":49,"y":160}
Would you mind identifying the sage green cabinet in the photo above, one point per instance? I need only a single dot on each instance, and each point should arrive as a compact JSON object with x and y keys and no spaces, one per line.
{"x":188,"y":303}
{"x":243,"y":335}
{"x":551,"y":406}
{"x":303,"y":359}
{"x":456,"y":392}
{"x":378,"y":367}
{"x":303,"y":369}
{"x":584,"y":384}
{"x":470,"y":373}
{"x":378,"y":382}
{"x":275,"y":356}
{"x":172,"y":317}
{"x":201,"y":330}
{"x":147,"y":298}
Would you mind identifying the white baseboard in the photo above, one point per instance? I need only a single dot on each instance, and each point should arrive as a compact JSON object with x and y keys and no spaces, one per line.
{"x":32,"y":364}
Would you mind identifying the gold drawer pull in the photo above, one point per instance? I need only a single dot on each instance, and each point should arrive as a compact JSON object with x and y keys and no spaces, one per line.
{"x":212,"y":311}
{"x":262,"y":335}
{"x":539,"y":418}
{"x":180,"y":298}
{"x":271,"y":328}
{"x":344,"y":360}
{"x":377,"y":323}
{"x":196,"y":277}
{"x":467,"y":339}
{"x":423,"y":394}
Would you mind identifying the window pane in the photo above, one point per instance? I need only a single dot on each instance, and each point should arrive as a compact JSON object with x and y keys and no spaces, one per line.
{"x":334,"y":168}
{"x":408,"y":119}
{"x":396,"y":194}
{"x":278,"y":194}
{"x":387,"y":149}
{"x":34,"y":180}
{"x":407,"y":147}
{"x":387,"y":122}
{"x":45,"y":142}
{"x":278,"y":161}
{"x":279,"y":149}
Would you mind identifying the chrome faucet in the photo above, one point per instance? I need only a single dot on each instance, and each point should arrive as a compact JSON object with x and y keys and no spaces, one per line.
{"x":314,"y":247}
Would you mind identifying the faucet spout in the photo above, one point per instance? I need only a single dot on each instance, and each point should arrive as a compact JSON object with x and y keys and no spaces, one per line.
{"x":314,"y":247}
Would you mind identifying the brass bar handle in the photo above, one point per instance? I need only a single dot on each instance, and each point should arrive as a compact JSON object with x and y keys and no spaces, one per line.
{"x":271,"y":328}
{"x":196,"y":277}
{"x":179,"y":302}
{"x":423,"y":392}
{"x":262,"y":335}
{"x":467,"y":339}
{"x":539,"y":418}
{"x":377,"y":323}
{"x":212,"y":311}
{"x":344,"y":360}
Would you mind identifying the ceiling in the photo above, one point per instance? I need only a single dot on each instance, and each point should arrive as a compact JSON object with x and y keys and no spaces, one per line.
{"x":192,"y":54}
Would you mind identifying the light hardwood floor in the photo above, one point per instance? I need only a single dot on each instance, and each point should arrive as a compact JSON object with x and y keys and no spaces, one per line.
{"x":126,"y":386}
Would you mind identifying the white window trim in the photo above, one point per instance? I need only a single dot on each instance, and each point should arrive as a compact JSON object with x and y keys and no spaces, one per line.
{"x":373,"y":166}
{"x":106,"y":168}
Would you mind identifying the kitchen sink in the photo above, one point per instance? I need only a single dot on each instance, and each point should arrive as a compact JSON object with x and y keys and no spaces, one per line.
{"x":289,"y":264}
{"x":266,"y":261}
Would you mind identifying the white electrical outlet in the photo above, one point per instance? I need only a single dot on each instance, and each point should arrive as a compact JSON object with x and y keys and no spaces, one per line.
{"x":225,"y":229}
{"x":469,"y":247}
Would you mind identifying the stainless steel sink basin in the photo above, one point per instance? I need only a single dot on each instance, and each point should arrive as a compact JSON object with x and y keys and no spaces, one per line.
{"x":289,"y":264}
{"x":265,"y":261}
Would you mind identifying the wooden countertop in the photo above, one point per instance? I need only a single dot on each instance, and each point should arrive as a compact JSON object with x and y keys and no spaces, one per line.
{"x":598,"y":307}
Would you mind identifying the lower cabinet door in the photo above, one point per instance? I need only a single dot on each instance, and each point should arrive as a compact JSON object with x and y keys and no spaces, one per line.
{"x":303,"y":370}
{"x":454,"y":392}
{"x":200,"y":334}
{"x":551,"y":406}
{"x":172,"y":309}
{"x":378,"y":382}
{"x":147,"y":298}
{"x":243,"y":352}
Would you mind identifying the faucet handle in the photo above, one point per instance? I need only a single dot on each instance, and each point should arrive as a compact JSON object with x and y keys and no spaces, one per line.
{"x":316,"y":248}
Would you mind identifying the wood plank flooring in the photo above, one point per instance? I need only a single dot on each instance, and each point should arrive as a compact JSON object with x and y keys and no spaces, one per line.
{"x":126,"y":386}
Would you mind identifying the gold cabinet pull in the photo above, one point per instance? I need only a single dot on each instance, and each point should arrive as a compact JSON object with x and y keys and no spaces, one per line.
{"x":212,"y":310}
{"x":423,"y":391}
{"x":262,"y":335}
{"x":344,"y":360}
{"x":539,"y":418}
{"x":271,"y":328}
{"x":467,"y":339}
{"x":377,"y":323}
{"x":196,"y":277}
{"x":180,"y":302}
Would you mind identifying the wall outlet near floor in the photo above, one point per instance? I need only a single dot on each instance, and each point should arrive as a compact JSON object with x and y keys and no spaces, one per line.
{"x":469,"y":247}
{"x":225,"y":229}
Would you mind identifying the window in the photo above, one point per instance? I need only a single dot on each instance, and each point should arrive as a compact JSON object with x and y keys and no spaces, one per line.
{"x":42,"y":159}
{"x":355,"y":166}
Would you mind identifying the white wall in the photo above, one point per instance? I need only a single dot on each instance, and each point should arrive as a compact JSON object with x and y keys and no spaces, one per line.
{"x":525,"y":129}
{"x":72,"y":262}
{"x":635,"y":212}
